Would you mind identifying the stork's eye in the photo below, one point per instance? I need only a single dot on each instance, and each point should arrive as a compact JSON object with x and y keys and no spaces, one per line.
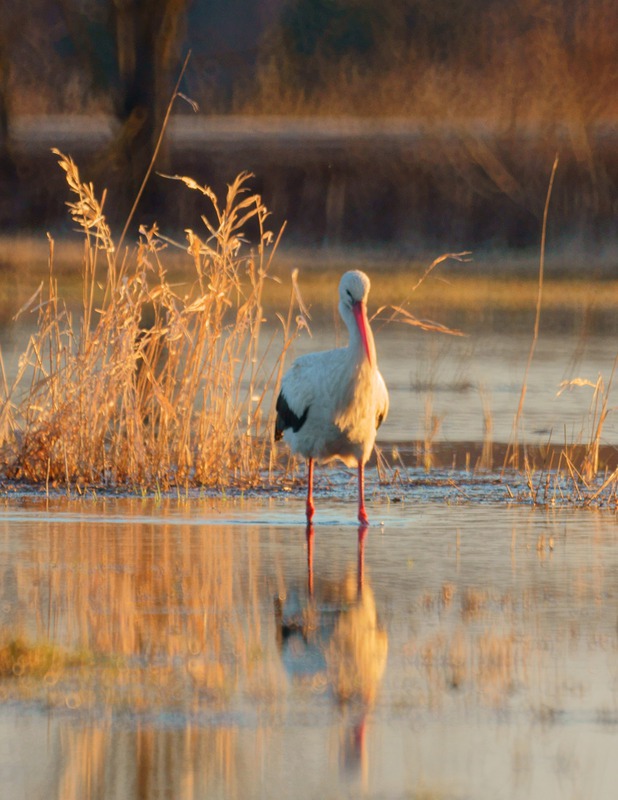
{"x":349,"y":294}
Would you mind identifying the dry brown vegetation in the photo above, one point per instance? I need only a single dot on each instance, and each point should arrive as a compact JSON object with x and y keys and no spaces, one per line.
{"x":537,"y":61}
{"x":150,"y":384}
{"x":160,"y":379}
{"x":540,"y":61}
{"x":428,"y":123}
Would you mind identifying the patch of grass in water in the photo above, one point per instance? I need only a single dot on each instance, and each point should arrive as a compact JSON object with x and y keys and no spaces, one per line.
{"x":20,"y":659}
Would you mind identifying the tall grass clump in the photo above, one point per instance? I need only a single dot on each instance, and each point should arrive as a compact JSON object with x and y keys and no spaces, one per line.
{"x":148,"y":384}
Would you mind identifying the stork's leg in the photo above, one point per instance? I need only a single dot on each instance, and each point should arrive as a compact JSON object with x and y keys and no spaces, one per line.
{"x":362,"y":514}
{"x":360,"y":573}
{"x":310,"y":559}
{"x":310,"y":506}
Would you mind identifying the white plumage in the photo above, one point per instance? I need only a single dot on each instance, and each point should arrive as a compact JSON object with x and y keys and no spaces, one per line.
{"x":331,"y":403}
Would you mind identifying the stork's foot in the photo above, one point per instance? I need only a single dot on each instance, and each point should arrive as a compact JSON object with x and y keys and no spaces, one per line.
{"x":362,"y":516}
{"x":310,"y":510}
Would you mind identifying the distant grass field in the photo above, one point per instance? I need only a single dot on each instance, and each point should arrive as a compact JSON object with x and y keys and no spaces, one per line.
{"x":491,"y":290}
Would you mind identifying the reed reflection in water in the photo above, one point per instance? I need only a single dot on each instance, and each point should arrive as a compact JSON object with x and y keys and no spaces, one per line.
{"x":197,"y":649}
{"x":154,"y":638}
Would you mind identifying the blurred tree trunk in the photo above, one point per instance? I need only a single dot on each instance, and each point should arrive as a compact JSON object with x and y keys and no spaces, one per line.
{"x":144,"y":39}
{"x":12,"y":19}
{"x":4,"y":106}
{"x":148,"y":37}
{"x":10,"y":197}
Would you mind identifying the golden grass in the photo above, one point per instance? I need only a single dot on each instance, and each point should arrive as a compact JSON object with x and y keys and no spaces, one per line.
{"x":483,"y":290}
{"x":469,"y":300}
{"x":150,"y":373}
{"x":537,"y":316}
{"x":149,"y":384}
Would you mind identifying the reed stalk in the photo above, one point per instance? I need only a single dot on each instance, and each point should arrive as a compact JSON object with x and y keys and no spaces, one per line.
{"x":512,"y":453}
{"x":150,"y":384}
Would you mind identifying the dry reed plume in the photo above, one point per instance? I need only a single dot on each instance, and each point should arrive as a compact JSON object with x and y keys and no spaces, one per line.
{"x":150,"y":384}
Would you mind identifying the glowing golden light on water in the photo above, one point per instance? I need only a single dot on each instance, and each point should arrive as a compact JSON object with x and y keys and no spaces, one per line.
{"x":207,"y":645}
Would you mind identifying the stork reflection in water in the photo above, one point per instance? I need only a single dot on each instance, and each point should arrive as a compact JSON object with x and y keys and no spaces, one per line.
{"x":329,"y":633}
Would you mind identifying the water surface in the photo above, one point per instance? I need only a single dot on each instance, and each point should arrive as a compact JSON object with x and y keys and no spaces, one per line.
{"x":463,"y":651}
{"x":462,"y":389}
{"x":464,"y":647}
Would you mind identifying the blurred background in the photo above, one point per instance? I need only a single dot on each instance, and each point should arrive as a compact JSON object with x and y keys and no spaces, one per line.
{"x":411,"y":124}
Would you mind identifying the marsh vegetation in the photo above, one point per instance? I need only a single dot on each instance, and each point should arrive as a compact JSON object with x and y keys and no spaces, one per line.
{"x":424,"y":126}
{"x":147,"y":384}
{"x":157,"y":370}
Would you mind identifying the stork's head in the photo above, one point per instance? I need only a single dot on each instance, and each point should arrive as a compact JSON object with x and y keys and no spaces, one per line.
{"x":353,"y":288}
{"x":353,"y":291}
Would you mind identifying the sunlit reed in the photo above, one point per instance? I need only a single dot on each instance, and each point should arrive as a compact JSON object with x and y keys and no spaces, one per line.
{"x":150,"y":384}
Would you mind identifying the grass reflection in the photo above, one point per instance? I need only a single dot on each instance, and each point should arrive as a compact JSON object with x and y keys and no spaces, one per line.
{"x":144,"y":617}
{"x":164,"y":634}
{"x":158,"y":656}
{"x":135,"y":616}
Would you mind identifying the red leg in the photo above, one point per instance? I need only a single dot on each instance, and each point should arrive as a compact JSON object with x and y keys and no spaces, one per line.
{"x":362,"y":514}
{"x":310,"y":559}
{"x":310,"y":506}
{"x":360,"y":573}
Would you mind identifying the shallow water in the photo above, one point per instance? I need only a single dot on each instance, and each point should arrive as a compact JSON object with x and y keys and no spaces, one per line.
{"x":184,"y":649}
{"x":454,"y":377}
{"x":464,"y":651}
{"x":467,"y":387}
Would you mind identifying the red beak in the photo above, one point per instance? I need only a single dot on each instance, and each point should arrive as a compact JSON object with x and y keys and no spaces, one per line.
{"x":360,"y":315}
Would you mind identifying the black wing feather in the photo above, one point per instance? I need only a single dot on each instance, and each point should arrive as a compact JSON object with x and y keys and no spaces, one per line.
{"x":286,"y":418}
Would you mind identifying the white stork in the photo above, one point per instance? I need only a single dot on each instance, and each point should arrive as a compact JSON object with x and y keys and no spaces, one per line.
{"x":332,"y":402}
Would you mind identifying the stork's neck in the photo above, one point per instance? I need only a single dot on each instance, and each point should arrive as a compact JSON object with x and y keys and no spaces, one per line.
{"x":356,"y":346}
